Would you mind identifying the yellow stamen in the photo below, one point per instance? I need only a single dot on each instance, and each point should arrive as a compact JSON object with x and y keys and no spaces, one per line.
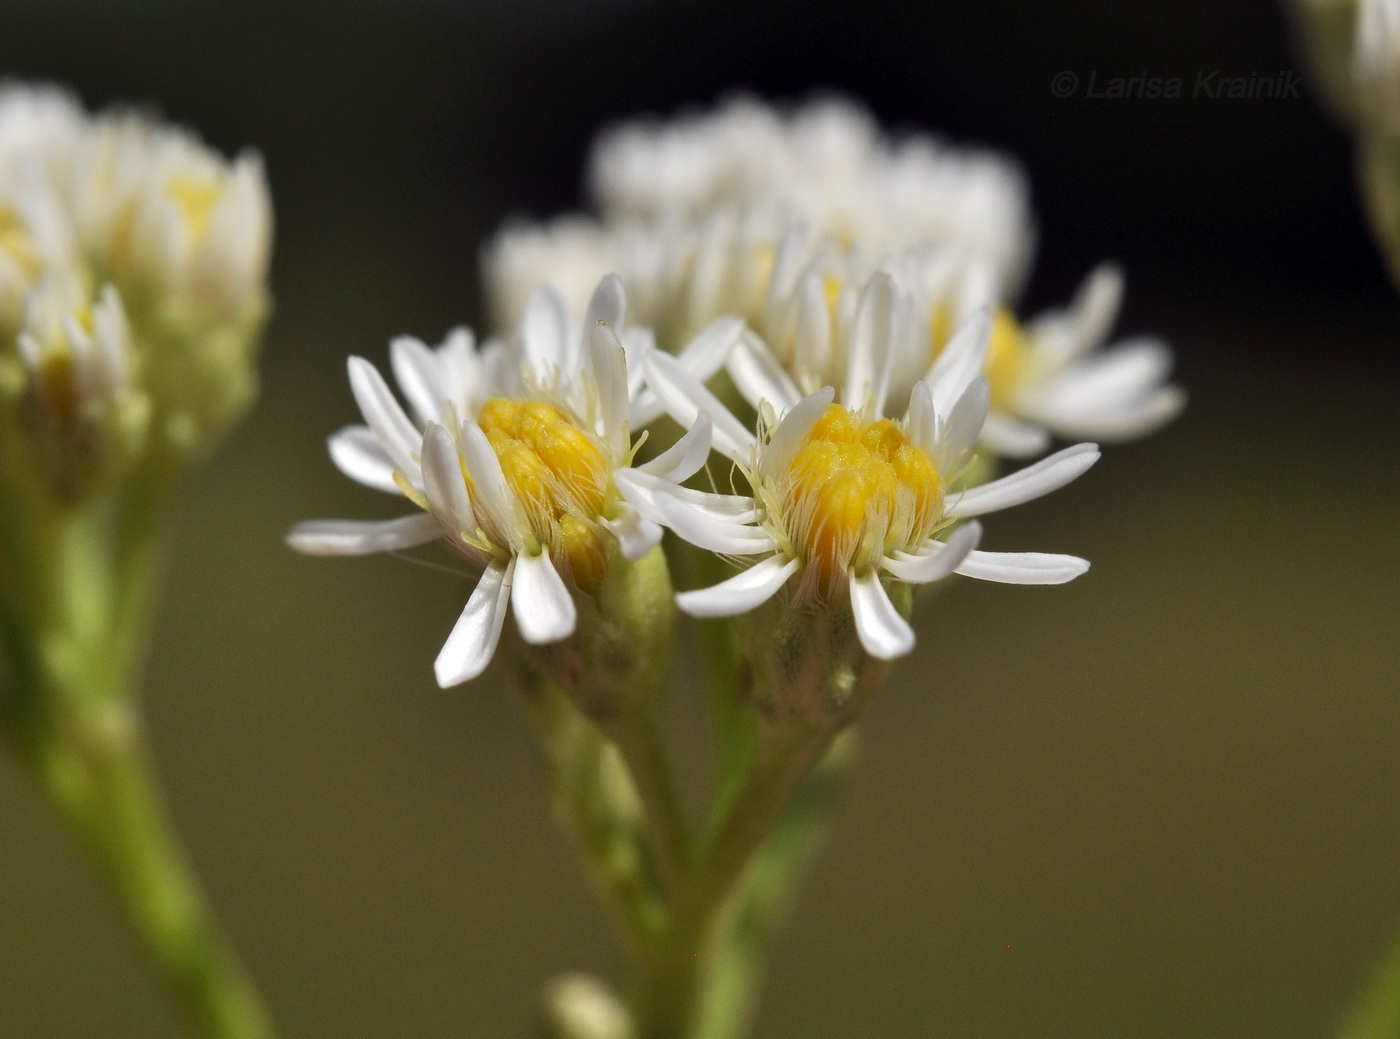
{"x":559,"y":476}
{"x":856,"y":490}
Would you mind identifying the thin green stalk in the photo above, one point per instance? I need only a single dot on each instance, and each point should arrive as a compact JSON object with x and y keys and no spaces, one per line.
{"x":71,"y":718}
{"x":100,"y":781}
{"x":638,"y":740}
{"x":730,"y":997}
{"x":784,"y":756}
{"x":576,"y":754}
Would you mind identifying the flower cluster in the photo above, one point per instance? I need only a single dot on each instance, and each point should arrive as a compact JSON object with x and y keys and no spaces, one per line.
{"x":133,"y":268}
{"x":825,"y":310}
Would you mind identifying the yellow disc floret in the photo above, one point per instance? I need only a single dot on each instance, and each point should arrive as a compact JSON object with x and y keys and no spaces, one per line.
{"x":557,"y":473}
{"x":1006,"y":358}
{"x":856,"y":490}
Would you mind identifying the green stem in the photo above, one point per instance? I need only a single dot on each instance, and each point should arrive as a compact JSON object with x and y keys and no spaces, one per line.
{"x":783,"y":758}
{"x":578,"y":760}
{"x":730,"y":994}
{"x":101,"y":782}
{"x":643,"y":750}
{"x":74,"y":639}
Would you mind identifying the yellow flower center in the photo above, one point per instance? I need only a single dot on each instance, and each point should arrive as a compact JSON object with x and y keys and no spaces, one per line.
{"x":1007,"y":352}
{"x":195,"y":197}
{"x":1006,"y":358}
{"x":558,"y":474}
{"x":857,"y":490}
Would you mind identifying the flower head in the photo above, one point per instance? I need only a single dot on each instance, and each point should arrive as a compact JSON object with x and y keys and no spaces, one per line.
{"x":172,"y":221}
{"x":843,"y":498}
{"x":513,"y":460}
{"x":68,"y":394}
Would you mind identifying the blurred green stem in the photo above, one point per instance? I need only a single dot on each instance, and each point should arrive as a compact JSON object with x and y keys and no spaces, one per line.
{"x":1377,"y":1014}
{"x":592,"y":797}
{"x":74,"y":639}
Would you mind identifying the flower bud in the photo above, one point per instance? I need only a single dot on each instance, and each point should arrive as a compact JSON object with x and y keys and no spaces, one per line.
{"x":66,"y":393}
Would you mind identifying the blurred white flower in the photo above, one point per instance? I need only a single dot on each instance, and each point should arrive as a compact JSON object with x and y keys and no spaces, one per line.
{"x":169,"y":218}
{"x":1054,"y":376}
{"x":825,"y":164}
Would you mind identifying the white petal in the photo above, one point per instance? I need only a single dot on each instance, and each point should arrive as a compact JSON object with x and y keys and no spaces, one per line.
{"x":1022,"y":567}
{"x":960,"y":362}
{"x":959,"y":432}
{"x":419,"y":376}
{"x":684,"y":458}
{"x":1095,"y":306}
{"x":684,"y":398}
{"x":472,"y":643}
{"x":883,"y":632}
{"x":444,"y":483}
{"x":812,"y":336}
{"x":758,"y":375}
{"x":708,"y":531}
{"x":544,"y":609}
{"x":357,"y":453}
{"x":1029,"y":483}
{"x":544,"y":331}
{"x":1116,"y":375}
{"x":740,"y":593}
{"x":922,"y":422}
{"x":399,"y":437}
{"x":872,"y":339}
{"x":493,"y":494}
{"x":793,"y":429}
{"x":362,"y":537}
{"x":608,"y":304}
{"x":461,"y":368}
{"x":1012,"y":438}
{"x":937,"y":560}
{"x":643,"y":490}
{"x":1120,"y":422}
{"x":706,"y":353}
{"x":636,"y":536}
{"x":610,"y":376}
{"x":1062,"y":336}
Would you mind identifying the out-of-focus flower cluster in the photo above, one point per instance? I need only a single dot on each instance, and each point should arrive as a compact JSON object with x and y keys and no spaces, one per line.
{"x":133,"y":270}
{"x":830,"y":310}
{"x":1353,"y":47}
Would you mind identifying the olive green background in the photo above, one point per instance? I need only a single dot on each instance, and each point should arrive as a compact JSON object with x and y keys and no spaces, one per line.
{"x":1160,"y":802}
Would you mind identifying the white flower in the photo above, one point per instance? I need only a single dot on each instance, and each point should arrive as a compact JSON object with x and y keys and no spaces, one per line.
{"x":843,"y":498}
{"x":78,"y":357}
{"x":825,"y":164}
{"x":514,"y":457}
{"x":169,"y":217}
{"x":1048,"y":378}
{"x":1054,"y":376}
{"x":39,"y":123}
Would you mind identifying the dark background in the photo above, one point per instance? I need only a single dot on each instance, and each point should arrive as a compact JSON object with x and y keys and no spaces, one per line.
{"x":1160,"y":802}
